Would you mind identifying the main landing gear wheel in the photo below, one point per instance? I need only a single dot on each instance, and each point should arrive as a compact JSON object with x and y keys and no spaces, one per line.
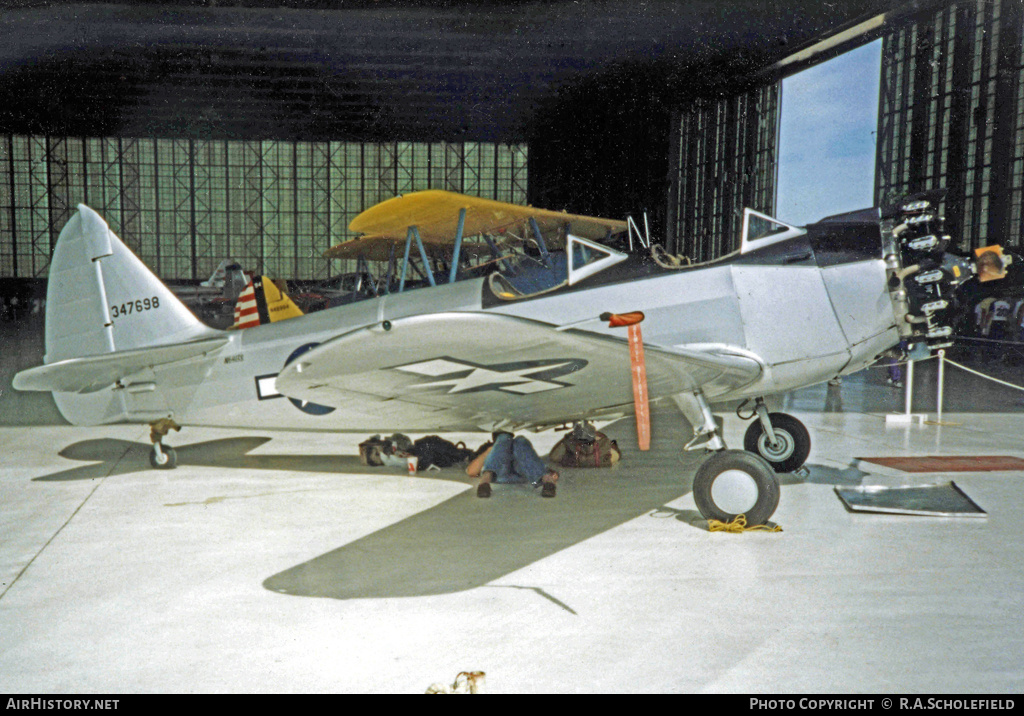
{"x":163,"y":458}
{"x":792,"y":445}
{"x":736,"y":482}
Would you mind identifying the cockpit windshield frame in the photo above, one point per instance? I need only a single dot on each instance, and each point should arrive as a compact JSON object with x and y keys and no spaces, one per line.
{"x":581,"y":259}
{"x":784,"y":232}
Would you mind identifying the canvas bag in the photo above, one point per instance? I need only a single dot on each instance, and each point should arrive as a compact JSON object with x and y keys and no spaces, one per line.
{"x":373,"y":450}
{"x":575,"y":451}
{"x":435,"y":450}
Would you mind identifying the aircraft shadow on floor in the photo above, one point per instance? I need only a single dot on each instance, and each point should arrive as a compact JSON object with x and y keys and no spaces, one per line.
{"x":825,"y":475}
{"x":466,"y":542}
{"x":112,"y":457}
{"x":462,"y":543}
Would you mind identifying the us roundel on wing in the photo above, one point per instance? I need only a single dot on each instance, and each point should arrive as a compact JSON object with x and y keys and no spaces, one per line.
{"x":304,"y":406}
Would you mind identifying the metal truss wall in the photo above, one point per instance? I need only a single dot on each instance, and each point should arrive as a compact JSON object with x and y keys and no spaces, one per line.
{"x":724,"y":160}
{"x":183,"y":205}
{"x":951,"y":114}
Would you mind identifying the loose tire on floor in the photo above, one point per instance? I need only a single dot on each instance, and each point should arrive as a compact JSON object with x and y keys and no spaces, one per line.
{"x":736,"y":482}
{"x":168,"y":460}
{"x":794,"y":442}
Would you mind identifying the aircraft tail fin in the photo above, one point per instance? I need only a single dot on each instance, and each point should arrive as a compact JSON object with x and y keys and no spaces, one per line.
{"x":102,"y":299}
{"x":109,"y":322}
{"x":220,"y":274}
{"x":263,"y":301}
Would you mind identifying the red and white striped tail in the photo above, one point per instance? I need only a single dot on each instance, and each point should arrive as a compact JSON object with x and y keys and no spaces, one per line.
{"x":246,"y":312}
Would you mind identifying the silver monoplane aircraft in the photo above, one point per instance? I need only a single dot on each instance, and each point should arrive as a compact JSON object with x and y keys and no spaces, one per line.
{"x":532,"y":341}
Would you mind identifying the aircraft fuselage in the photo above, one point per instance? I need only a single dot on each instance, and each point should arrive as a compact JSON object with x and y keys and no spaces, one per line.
{"x":804,"y":322}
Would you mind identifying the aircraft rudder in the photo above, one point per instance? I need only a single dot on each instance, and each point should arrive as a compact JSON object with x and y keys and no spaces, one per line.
{"x":102,"y":298}
{"x":76,"y":323}
{"x":279,"y":305}
{"x":262,"y":302}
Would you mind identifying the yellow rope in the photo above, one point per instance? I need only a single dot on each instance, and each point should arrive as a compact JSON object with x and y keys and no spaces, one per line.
{"x":739,"y":524}
{"x":467,"y":682}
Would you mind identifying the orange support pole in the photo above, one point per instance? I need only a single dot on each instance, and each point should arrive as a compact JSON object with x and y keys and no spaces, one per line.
{"x":638,"y":370}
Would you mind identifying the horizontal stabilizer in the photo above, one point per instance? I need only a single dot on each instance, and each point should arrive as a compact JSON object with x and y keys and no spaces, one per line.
{"x":92,"y":373}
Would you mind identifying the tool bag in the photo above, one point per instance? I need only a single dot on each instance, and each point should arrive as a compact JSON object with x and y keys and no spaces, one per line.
{"x":435,"y":450}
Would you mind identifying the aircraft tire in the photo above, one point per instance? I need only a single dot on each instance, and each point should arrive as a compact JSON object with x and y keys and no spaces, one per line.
{"x":795,"y":442}
{"x":170,"y":458}
{"x":735,"y":482}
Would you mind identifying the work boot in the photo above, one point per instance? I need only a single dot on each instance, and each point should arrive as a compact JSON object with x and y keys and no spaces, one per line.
{"x":484,"y":488}
{"x":548,"y":484}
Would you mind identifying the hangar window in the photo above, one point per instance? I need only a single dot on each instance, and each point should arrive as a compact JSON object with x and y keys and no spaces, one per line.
{"x":185,"y":205}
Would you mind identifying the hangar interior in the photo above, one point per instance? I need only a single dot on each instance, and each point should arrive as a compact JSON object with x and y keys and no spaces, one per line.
{"x":255,"y":130}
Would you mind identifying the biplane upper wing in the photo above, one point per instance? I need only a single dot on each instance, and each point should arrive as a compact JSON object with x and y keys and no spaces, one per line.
{"x":379,"y":248}
{"x":435,"y":214}
{"x":492,"y":369}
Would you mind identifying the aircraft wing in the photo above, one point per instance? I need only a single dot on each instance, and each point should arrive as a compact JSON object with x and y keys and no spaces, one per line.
{"x":435,"y":214}
{"x":492,"y":369}
{"x":378,"y":247}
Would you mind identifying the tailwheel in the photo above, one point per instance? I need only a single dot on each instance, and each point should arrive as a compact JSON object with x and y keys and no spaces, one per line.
{"x":792,"y":442}
{"x":736,"y":482}
{"x":163,"y":457}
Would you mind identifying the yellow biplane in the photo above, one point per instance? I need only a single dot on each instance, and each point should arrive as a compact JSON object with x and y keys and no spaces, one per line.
{"x":444,"y":224}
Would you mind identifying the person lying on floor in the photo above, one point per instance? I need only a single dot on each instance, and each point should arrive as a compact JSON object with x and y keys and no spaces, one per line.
{"x":511,"y":460}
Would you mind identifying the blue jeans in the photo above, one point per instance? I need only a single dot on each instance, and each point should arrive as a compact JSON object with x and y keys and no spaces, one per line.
{"x":895,"y":370}
{"x":514,"y":460}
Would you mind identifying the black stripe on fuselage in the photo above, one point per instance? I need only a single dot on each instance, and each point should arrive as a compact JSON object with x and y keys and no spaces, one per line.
{"x":825,"y":244}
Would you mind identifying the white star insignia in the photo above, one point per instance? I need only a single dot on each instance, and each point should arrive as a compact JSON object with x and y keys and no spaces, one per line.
{"x":513,"y":381}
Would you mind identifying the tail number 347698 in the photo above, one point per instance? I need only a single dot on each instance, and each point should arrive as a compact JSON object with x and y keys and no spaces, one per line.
{"x":137,"y":306}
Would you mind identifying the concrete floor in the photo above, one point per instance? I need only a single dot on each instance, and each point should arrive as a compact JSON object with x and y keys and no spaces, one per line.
{"x":277,"y":563}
